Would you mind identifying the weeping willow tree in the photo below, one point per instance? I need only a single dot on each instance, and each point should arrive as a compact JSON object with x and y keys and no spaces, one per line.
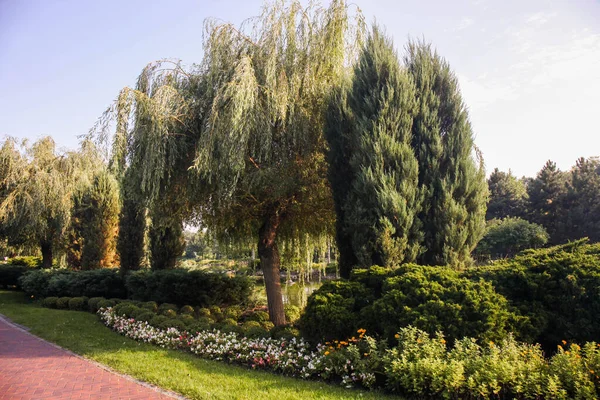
{"x":36,"y":185}
{"x":252,"y":112}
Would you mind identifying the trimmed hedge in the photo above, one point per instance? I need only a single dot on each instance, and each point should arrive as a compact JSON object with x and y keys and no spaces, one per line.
{"x":183,"y":287}
{"x":26,"y":261}
{"x":63,"y":283}
{"x":10,"y":274}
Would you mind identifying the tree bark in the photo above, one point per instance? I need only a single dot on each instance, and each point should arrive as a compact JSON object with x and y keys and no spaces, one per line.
{"x":269,"y":262}
{"x":46,"y":254}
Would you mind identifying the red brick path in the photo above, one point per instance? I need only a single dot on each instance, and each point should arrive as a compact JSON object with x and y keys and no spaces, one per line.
{"x":31,"y":368}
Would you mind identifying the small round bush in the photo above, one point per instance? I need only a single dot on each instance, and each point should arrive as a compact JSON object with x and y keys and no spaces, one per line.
{"x":292,"y":313}
{"x":135,"y":314}
{"x":106,"y":303}
{"x":256,"y":333}
{"x":215,"y":310}
{"x":63,"y":303}
{"x":203,"y":312}
{"x":49,"y":302}
{"x":258,"y":316}
{"x":251,"y":324}
{"x":284,"y":332}
{"x":93,"y":303}
{"x":167,"y":306}
{"x":117,"y":301}
{"x":127,"y":310}
{"x":229,"y":321}
{"x":145,"y":316}
{"x":186,"y":310}
{"x":150,"y":305}
{"x":169,"y":313}
{"x":268,"y":325}
{"x":233,"y":312}
{"x":199,"y":327}
{"x":187,"y":319}
{"x":228,"y":328}
{"x":174,"y":323}
{"x":205,"y":321}
{"x":158,"y":320}
{"x":78,"y":303}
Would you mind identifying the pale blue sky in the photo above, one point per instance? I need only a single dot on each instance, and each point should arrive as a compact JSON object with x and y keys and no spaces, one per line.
{"x":529,"y":70}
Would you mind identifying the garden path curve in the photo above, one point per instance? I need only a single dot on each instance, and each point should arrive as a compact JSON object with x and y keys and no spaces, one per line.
{"x":31,"y":368}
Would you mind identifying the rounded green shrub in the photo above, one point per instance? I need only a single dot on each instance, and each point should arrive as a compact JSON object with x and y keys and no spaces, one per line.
{"x":186,"y":310}
{"x":167,"y":306}
{"x":199,"y":327}
{"x":256,"y":333}
{"x":216,"y":311}
{"x":258,"y":316}
{"x":229,"y":321}
{"x":150,"y":305}
{"x":135,"y":313}
{"x":63,"y":303}
{"x":93,"y":303}
{"x":174,"y":323}
{"x":78,"y":303}
{"x":284,"y":332}
{"x":204,"y":321}
{"x":169,"y":313}
{"x":251,"y":324}
{"x":228,"y":328}
{"x":268,"y":325}
{"x":50,"y":302}
{"x":158,"y":320}
{"x":233,"y":312}
{"x":187,"y":319}
{"x":145,"y":316}
{"x":105,"y":303}
{"x":203,"y":312}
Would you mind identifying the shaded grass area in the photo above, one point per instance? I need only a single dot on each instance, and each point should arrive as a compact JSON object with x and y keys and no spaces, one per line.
{"x":84,"y":334}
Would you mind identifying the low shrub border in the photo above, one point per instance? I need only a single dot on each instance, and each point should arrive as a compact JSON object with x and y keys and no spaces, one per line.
{"x":420,"y":365}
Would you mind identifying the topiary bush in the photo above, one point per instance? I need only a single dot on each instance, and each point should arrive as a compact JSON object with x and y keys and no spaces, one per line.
{"x":106,"y":303}
{"x":78,"y":303}
{"x":186,"y":310}
{"x":202,"y":312}
{"x":167,"y":306}
{"x":26,"y":261}
{"x":145,"y":316}
{"x":150,"y":306}
{"x":93,"y":304}
{"x":50,"y":302}
{"x":169,"y":313}
{"x":182,"y":287}
{"x":62,"y":303}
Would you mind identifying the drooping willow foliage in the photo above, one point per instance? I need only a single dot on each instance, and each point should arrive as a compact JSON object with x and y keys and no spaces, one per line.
{"x":239,"y":136}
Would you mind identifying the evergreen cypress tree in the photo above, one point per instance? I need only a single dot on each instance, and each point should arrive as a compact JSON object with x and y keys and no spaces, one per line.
{"x":371,"y":151}
{"x":454,"y":186}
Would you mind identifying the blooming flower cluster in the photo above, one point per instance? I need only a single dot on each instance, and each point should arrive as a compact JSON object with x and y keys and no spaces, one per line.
{"x":293,"y":357}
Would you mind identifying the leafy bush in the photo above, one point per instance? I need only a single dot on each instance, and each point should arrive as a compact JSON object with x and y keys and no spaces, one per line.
{"x":10,"y":274}
{"x":256,"y":332}
{"x":187,"y":319}
{"x":150,"y":306}
{"x":430,"y":298}
{"x":146,"y":316}
{"x":158,"y":321}
{"x":188,"y":287}
{"x":26,"y":261}
{"x":233,"y":312}
{"x":167,"y":306}
{"x":97,"y":283}
{"x":62,"y":303}
{"x":251,"y":324}
{"x":258,"y":316}
{"x":78,"y":303}
{"x":186,"y":310}
{"x":126,"y":308}
{"x":169,"y":313}
{"x":284,"y":332}
{"x":229,"y":321}
{"x":558,"y":288}
{"x":50,"y":302}
{"x":105,"y":303}
{"x":506,"y":237}
{"x":93,"y":304}
{"x":333,"y":311}
{"x":203,"y":312}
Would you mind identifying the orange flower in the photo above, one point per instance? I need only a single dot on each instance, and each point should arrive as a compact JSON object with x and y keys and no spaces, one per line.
{"x":397,"y":336}
{"x":326,"y":353}
{"x":564,"y":342}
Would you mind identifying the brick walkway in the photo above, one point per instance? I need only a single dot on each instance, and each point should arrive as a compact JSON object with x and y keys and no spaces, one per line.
{"x":31,"y":368}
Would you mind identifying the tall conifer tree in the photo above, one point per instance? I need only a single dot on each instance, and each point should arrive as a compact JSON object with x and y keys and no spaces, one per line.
{"x":382,"y":199}
{"x":454,"y":186}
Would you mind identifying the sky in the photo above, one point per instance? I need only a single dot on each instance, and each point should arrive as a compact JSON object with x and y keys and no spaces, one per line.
{"x":529,"y":70}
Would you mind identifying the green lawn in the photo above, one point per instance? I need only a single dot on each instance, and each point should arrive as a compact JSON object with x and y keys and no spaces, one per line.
{"x":189,"y":375}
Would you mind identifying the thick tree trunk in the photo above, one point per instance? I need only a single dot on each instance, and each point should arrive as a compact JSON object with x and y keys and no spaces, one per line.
{"x":46,"y":254}
{"x":269,"y":262}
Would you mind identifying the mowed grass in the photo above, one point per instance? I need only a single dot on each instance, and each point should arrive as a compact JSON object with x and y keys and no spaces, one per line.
{"x":195,"y":378}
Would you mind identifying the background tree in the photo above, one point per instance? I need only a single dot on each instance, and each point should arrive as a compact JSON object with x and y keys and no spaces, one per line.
{"x":380,"y":196}
{"x":254,"y":112}
{"x":546,"y":193}
{"x":37,"y":186}
{"x":508,"y":196}
{"x":454,"y":187}
{"x":506,"y":237}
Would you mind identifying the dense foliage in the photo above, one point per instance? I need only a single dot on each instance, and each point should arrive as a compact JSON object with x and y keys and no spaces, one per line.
{"x":383,"y":300}
{"x":187,"y":287}
{"x":558,"y":288}
{"x":508,"y":196}
{"x":10,"y":274}
{"x":506,"y":237}
{"x":64,"y":283}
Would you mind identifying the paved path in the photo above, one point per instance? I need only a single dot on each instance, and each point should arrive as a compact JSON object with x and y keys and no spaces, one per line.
{"x":31,"y":368}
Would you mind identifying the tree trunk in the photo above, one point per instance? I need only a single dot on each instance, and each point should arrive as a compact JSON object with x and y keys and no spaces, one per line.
{"x":46,"y":254}
{"x":269,"y":262}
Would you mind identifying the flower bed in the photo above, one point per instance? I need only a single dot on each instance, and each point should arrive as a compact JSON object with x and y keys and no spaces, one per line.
{"x":292,"y":357}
